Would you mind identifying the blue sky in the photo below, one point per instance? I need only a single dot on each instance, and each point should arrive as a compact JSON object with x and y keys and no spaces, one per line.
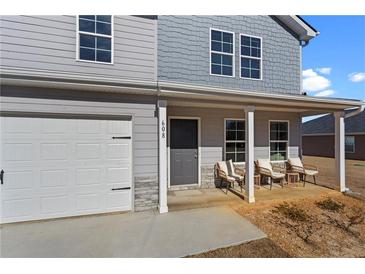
{"x":334,"y":61}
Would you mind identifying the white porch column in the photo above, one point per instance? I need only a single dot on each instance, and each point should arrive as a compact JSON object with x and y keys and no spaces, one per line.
{"x":249,"y":161}
{"x":340,"y":150}
{"x":162,"y":156}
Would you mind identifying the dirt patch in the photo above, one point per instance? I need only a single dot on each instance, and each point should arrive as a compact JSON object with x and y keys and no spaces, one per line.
{"x":264,"y":248}
{"x":324,"y":226}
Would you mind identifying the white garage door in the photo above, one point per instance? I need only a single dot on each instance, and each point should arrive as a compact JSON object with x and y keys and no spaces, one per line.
{"x":64,"y":167}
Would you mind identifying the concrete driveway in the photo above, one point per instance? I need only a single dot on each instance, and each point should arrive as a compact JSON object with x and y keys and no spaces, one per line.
{"x":147,"y":234}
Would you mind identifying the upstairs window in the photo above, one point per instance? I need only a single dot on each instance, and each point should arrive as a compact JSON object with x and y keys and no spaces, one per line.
{"x":279,"y":140}
{"x":235,"y":145}
{"x":95,"y":39}
{"x":221,"y":53}
{"x":250,"y":55}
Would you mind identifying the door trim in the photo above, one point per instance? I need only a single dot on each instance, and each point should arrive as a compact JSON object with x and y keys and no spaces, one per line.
{"x":168,"y":152}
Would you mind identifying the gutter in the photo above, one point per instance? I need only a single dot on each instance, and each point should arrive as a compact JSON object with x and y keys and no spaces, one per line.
{"x":357,"y":111}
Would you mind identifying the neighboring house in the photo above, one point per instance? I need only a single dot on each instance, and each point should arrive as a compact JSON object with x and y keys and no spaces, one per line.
{"x":106,"y":113}
{"x":318,"y":137}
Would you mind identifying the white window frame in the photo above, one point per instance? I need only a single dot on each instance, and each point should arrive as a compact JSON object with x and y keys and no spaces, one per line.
{"x":225,"y":141}
{"x":353,"y":146}
{"x":245,"y":56}
{"x":224,"y":53}
{"x":78,"y":32}
{"x":276,"y":141}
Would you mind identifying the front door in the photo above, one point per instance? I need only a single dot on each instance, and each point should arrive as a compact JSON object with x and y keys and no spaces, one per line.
{"x":183,"y":152}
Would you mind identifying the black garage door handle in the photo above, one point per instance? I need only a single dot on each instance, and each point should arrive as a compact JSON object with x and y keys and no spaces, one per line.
{"x":121,"y":188}
{"x":2,"y":176}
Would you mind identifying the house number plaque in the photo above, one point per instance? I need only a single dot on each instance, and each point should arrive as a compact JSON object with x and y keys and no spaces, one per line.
{"x":163,"y":129}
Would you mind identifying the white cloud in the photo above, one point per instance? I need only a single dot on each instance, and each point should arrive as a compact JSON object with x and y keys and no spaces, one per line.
{"x":325,"y":93}
{"x":309,"y":73}
{"x":357,"y":76}
{"x":324,"y":70}
{"x":315,"y":82}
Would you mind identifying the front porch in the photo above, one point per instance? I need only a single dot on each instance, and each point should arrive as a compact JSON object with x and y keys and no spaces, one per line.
{"x":200,"y":127}
{"x":201,"y":198}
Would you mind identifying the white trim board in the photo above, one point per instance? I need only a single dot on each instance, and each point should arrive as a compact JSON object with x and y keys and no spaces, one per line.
{"x":168,"y":152}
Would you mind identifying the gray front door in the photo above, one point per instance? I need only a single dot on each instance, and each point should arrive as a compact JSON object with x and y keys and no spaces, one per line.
{"x":183,"y":152}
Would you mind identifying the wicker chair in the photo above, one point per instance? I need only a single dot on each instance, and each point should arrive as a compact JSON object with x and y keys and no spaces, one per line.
{"x":266,"y":169}
{"x":304,"y":170}
{"x":226,"y":171}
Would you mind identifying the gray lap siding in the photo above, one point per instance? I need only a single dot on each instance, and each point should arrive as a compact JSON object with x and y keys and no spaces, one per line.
{"x":212,"y":134}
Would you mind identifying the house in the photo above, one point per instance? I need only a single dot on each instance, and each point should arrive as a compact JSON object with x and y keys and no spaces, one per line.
{"x":318,"y":137}
{"x":107,"y":113}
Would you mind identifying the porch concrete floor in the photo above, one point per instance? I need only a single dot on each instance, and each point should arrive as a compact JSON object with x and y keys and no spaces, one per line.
{"x":147,"y":234}
{"x":200,"y":198}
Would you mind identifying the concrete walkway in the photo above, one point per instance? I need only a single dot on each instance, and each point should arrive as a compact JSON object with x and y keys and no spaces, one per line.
{"x":148,"y":234}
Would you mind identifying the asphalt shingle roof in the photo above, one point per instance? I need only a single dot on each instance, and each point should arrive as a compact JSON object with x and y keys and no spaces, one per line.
{"x":326,"y":124}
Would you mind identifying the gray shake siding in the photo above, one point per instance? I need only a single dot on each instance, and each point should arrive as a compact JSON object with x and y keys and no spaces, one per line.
{"x":48,"y":44}
{"x":183,"y":52}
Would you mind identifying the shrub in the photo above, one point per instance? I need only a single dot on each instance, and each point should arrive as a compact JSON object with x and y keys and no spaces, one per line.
{"x":330,"y":205}
{"x":292,"y":212}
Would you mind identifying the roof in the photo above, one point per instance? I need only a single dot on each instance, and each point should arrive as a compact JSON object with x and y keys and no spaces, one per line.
{"x":299,"y":26}
{"x":326,"y":124}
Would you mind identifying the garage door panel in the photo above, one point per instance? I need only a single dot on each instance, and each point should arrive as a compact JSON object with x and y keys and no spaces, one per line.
{"x":89,"y":127}
{"x":59,"y":204}
{"x":118,"y":200}
{"x":18,"y":208}
{"x":17,"y":151}
{"x":17,"y":180}
{"x":16,"y":125}
{"x":123,"y":128}
{"x":54,"y":151}
{"x":88,"y":201}
{"x":88,"y":151}
{"x":118,"y":174}
{"x":54,"y":178}
{"x":64,"y":167}
{"x":118,"y":151}
{"x":88,"y":176}
{"x":63,"y":126}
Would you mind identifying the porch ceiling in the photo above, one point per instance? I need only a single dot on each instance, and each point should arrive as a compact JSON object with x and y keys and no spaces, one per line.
{"x":196,"y":96}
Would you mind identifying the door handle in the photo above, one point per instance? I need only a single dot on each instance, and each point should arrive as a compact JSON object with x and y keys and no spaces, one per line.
{"x":196,"y":155}
{"x":2,"y":176}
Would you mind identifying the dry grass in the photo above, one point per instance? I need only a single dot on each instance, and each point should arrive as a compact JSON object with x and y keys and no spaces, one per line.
{"x":263,"y":248}
{"x":325,"y":226}
{"x":355,"y":172}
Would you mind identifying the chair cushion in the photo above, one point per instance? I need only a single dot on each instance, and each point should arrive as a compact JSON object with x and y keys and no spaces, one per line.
{"x":297,"y":164}
{"x":223,"y":166}
{"x":265,"y":163}
{"x":310,"y":172}
{"x":277,"y":175}
{"x":235,"y":177}
{"x":230,"y":167}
